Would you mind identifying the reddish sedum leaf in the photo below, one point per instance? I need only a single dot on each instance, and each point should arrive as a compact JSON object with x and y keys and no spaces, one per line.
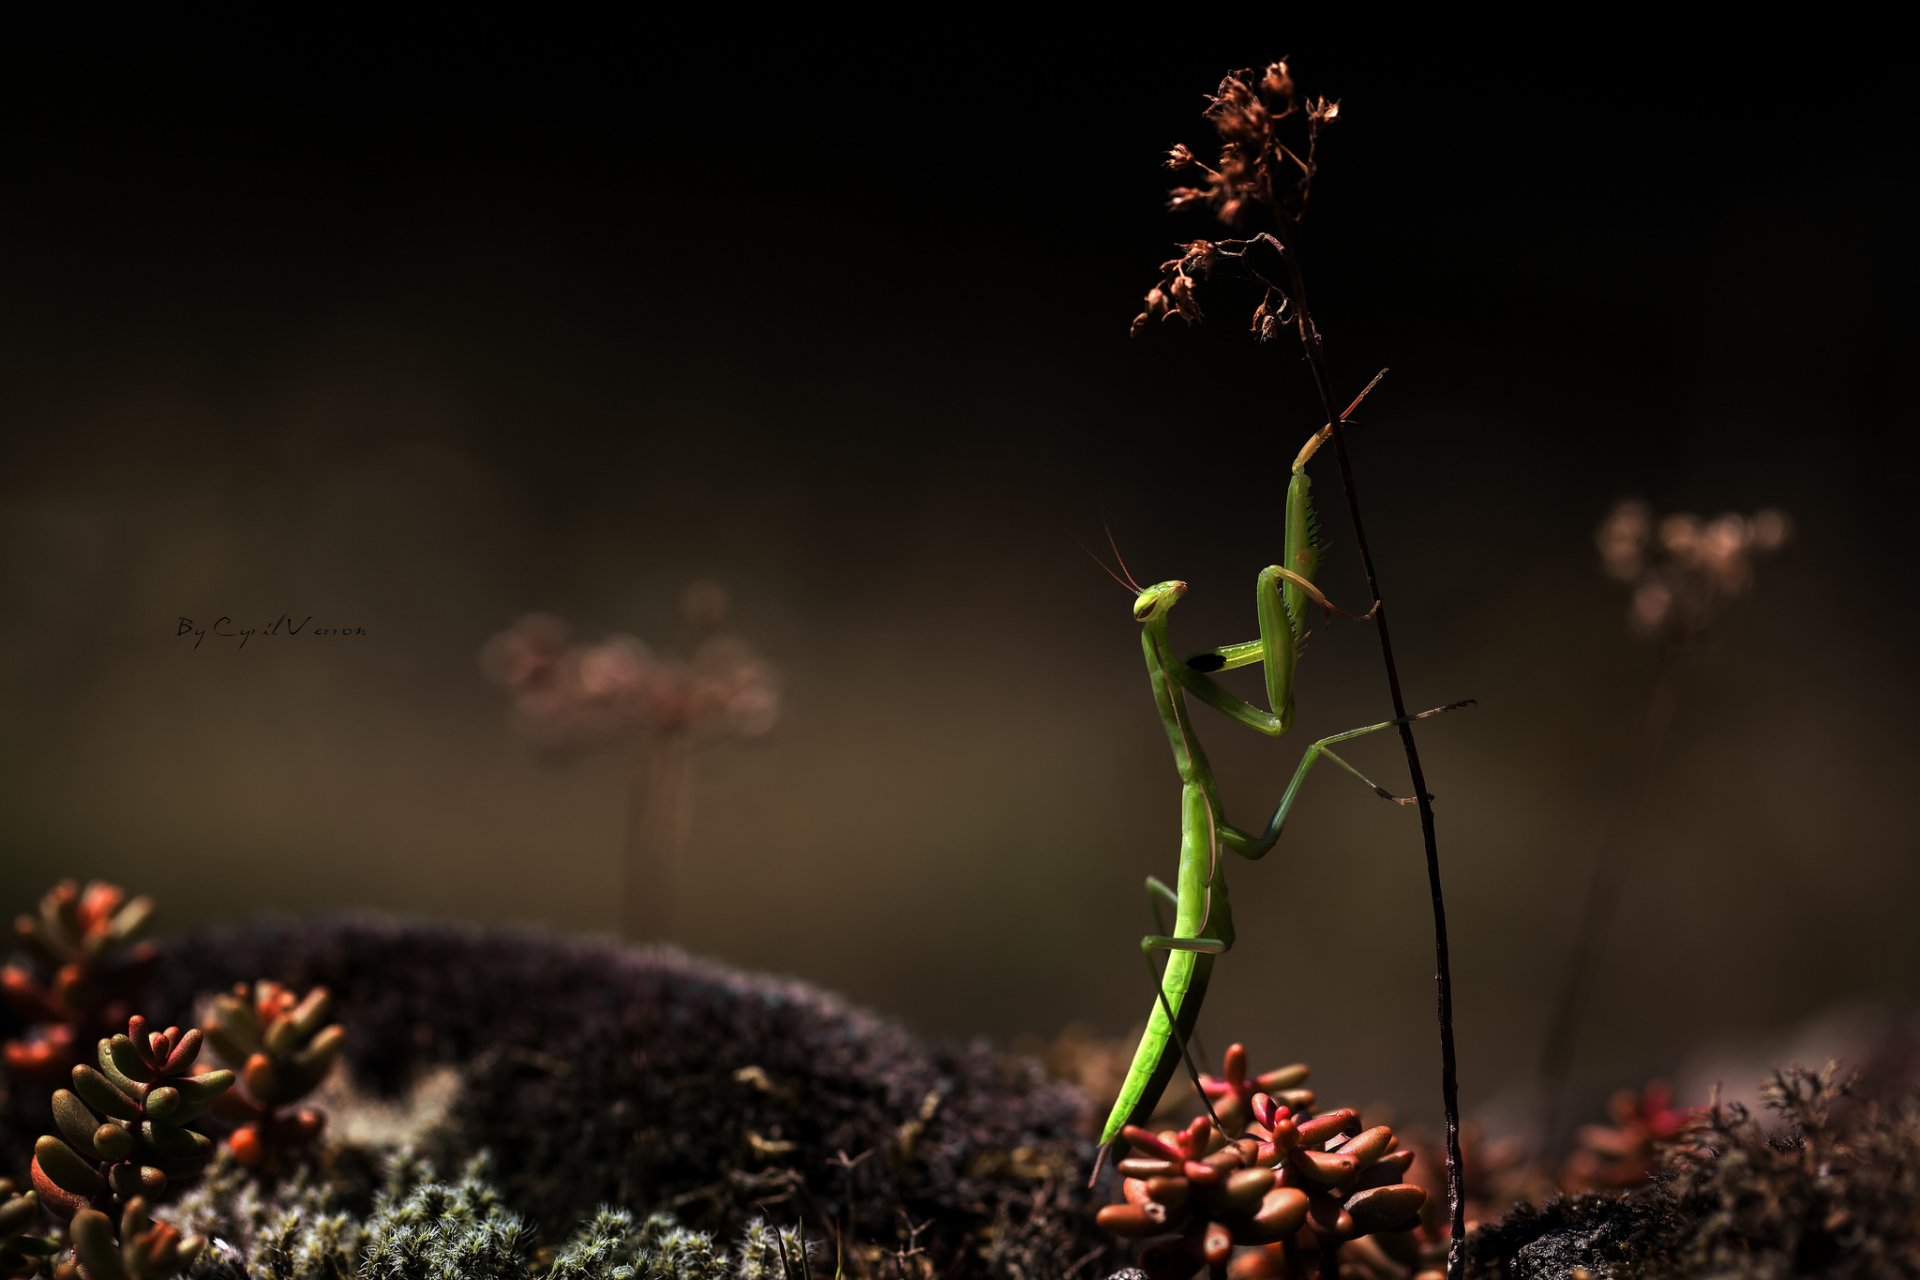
{"x":283,"y":1048}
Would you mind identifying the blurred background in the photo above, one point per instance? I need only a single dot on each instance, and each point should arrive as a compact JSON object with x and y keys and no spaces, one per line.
{"x":425,"y":332}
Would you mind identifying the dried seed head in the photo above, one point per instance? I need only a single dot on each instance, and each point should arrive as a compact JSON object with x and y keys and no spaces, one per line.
{"x":1266,"y":162}
{"x":1278,"y":82}
{"x":1184,"y":300}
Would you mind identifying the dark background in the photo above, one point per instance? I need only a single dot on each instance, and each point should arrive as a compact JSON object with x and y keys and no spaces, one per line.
{"x":424,"y":331}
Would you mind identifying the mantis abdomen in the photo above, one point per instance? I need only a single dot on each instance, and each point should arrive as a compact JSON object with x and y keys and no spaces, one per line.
{"x":1201,"y":914}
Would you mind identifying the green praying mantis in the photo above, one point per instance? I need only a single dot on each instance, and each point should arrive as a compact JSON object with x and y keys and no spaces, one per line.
{"x":1203,"y":917}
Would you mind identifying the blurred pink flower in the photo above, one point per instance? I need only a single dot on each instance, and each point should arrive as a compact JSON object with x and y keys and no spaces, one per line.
{"x":615,"y":670}
{"x":570,"y":696}
{"x":525,"y":653}
{"x":1622,"y":538}
{"x":1684,"y":570}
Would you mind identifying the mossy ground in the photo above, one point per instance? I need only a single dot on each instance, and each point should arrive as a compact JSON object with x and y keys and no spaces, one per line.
{"x":639,"y":1078}
{"x":1825,"y":1183}
{"x":650,"y":1115}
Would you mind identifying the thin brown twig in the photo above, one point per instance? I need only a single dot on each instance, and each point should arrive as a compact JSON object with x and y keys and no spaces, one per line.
{"x":1443,"y":971}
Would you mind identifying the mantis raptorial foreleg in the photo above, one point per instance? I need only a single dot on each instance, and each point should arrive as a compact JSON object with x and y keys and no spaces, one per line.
{"x":1230,"y":656}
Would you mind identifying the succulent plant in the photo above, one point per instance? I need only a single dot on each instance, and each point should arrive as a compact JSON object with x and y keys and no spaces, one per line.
{"x":142,"y":1249}
{"x":1210,"y":1204}
{"x":1295,"y":1186}
{"x":1232,"y":1091}
{"x":282,"y":1047}
{"x":122,"y":1133}
{"x":21,"y":1250}
{"x":86,"y":967}
{"x":1628,"y":1150}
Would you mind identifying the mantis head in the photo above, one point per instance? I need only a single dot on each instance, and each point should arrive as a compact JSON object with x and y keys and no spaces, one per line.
{"x":1156,"y":600}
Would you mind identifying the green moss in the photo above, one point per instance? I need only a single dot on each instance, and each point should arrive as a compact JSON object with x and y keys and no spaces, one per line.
{"x":422,"y":1228}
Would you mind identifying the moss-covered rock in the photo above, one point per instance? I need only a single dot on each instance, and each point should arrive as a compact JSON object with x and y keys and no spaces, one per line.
{"x":599,"y":1075}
